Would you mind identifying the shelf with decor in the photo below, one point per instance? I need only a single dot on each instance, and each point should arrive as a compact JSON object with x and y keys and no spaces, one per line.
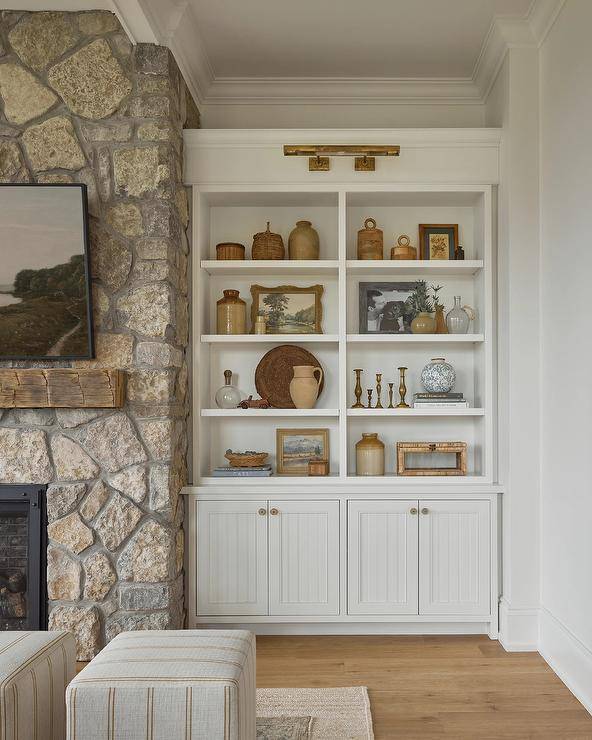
{"x":232,"y":268}
{"x":417,"y":338}
{"x":423,"y":268}
{"x":269,"y":413}
{"x":410,"y":412}
{"x":268,"y":338}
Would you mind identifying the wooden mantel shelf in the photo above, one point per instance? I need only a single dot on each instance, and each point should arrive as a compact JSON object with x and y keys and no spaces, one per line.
{"x":61,"y":388}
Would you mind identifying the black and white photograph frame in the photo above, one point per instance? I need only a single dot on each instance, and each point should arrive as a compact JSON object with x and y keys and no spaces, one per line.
{"x":385,"y":308}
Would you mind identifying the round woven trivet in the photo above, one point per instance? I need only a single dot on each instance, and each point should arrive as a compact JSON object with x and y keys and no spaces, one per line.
{"x":275,"y":371}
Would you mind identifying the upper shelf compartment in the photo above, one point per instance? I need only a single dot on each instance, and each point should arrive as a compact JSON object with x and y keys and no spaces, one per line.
{"x":239,"y":268}
{"x":236,"y":217}
{"x":431,"y":268}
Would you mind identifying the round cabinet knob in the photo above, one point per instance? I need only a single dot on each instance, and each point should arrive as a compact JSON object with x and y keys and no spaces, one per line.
{"x":274,"y":512}
{"x":425,"y":511}
{"x":262,"y":512}
{"x":413,"y":511}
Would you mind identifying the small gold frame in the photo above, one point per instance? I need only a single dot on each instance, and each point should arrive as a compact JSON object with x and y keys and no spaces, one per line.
{"x":282,"y":468}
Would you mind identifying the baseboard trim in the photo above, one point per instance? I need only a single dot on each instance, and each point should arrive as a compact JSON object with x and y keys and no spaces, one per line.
{"x":354,"y":628}
{"x":569,"y":658}
{"x":519,"y":628}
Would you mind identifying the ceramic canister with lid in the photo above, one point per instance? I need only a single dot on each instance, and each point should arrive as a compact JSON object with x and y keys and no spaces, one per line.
{"x":370,"y":241}
{"x":370,"y":455}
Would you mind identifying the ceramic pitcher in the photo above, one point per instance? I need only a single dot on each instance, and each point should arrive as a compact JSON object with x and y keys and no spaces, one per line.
{"x":304,"y":386}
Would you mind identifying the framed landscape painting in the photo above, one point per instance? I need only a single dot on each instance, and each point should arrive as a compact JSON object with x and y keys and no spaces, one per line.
{"x":296,"y":447}
{"x":288,"y":309}
{"x":45,"y":300}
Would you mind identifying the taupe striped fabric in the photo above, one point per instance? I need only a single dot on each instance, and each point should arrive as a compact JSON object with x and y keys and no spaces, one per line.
{"x":35,"y":668}
{"x":167,"y":685}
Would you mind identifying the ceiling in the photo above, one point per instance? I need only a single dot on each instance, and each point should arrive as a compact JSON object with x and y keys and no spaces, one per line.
{"x":348,"y":38}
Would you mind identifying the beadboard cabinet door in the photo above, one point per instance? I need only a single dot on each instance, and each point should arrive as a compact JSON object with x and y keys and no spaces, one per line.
{"x":382,"y":557}
{"x":454,"y":557}
{"x":303,"y":558}
{"x":232,"y":558}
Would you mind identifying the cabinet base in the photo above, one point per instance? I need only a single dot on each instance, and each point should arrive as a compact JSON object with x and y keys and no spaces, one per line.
{"x":353,"y":628}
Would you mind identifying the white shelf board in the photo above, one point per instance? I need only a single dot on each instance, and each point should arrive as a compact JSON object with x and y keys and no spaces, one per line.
{"x":267,"y":338}
{"x":272,"y":480}
{"x":416,"y":338}
{"x":417,"y":412}
{"x":262,"y":413}
{"x":414,"y":267}
{"x":239,"y":268}
{"x":391,"y":480}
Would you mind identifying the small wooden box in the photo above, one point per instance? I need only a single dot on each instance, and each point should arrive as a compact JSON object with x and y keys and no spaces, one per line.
{"x":458,"y":448}
{"x":318,"y":467}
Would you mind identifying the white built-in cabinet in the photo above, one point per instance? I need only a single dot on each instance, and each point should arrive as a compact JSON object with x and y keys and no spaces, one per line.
{"x":344,"y":552}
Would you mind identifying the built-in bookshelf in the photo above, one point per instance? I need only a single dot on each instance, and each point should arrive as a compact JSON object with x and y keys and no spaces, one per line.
{"x":337,"y":214}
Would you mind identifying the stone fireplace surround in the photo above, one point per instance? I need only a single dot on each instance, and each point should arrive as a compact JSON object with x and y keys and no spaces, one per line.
{"x":78,"y":103}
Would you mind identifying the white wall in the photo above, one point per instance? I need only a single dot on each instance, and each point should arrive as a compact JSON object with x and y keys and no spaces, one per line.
{"x":566,"y":259}
{"x":513,"y":105}
{"x":299,"y":115}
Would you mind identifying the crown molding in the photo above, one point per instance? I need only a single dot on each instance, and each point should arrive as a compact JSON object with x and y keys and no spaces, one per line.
{"x":172,"y":23}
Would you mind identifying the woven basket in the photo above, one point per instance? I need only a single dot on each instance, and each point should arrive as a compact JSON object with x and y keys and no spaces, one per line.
{"x":268,"y":246}
{"x":230,"y":251}
{"x":246,"y":459}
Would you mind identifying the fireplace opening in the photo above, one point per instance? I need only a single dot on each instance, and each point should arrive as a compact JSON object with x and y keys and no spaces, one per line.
{"x":23,"y":555}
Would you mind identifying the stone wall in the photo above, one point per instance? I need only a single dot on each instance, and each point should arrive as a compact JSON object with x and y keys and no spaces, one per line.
{"x":80,"y":104}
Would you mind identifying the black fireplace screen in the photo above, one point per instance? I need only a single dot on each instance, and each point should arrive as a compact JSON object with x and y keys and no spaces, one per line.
{"x":23,"y":545}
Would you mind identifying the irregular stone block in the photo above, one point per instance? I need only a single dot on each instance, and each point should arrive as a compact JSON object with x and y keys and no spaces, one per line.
{"x":84,"y":623}
{"x":107,"y":131}
{"x":158,"y":436}
{"x":33,"y":417}
{"x":40,"y":38}
{"x":87,"y":177}
{"x":126,"y":218}
{"x":95,"y":500}
{"x":148,"y":106}
{"x":113,"y":442}
{"x":100,"y":307}
{"x":111,"y":260}
{"x":71,"y":532}
{"x":162,"y":494}
{"x":132,"y":482}
{"x":53,"y":145}
{"x":117,"y":521}
{"x":179,"y":551}
{"x":129,"y":622}
{"x":97,"y":22}
{"x":152,"y":59}
{"x":99,"y":576}
{"x":12,"y":165}
{"x":153,"y":249}
{"x":111,"y":351}
{"x":62,"y":498}
{"x":182,"y":205}
{"x":146,"y":597}
{"x":147,"y":557}
{"x":51,"y":177}
{"x":151,"y":385}
{"x":141,"y":171}
{"x":71,"y":461}
{"x":91,"y":81}
{"x":159,"y":220}
{"x":147,"y":309}
{"x":152,"y":271}
{"x":24,"y":456}
{"x":24,"y":96}
{"x":102,"y":165}
{"x":152,"y":84}
{"x":158,"y":354}
{"x":70,"y":418}
{"x":63,"y":576}
{"x":155,"y":131}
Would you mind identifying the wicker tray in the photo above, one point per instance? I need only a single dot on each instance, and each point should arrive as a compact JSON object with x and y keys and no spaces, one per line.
{"x":246,"y":459}
{"x":275,"y":371}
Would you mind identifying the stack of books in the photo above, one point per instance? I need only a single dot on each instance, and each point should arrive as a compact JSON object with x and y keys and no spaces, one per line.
{"x":227,"y":471}
{"x":439,"y":401}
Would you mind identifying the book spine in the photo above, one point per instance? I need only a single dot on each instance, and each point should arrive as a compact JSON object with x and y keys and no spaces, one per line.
{"x":447,"y":405}
{"x":438,"y":395}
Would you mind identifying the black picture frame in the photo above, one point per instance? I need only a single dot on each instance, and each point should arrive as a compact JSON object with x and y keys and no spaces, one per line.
{"x":89,"y":354}
{"x":398,"y":314}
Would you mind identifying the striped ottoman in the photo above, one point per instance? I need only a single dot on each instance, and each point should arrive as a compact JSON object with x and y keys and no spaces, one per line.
{"x":167,"y":685}
{"x":35,"y":668}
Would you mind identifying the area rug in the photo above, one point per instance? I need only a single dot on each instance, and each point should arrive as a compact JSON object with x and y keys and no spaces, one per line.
{"x":314,"y":714}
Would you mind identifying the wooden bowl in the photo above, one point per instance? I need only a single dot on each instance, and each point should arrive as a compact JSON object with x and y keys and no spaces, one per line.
{"x":246,"y":459}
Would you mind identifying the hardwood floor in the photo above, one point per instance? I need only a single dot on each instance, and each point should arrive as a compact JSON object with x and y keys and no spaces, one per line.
{"x":432,"y":686}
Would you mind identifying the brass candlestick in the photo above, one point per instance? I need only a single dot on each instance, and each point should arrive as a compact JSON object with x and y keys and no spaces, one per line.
{"x":369,"y":398}
{"x":391,"y":386}
{"x":402,"y":389}
{"x":378,"y":390}
{"x":358,"y":390}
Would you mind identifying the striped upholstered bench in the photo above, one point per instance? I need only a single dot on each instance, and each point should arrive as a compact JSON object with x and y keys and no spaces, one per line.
{"x":35,"y":668}
{"x":167,"y":685}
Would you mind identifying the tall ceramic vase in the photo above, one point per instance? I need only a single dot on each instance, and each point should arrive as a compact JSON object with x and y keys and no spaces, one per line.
{"x":303,"y":243}
{"x":304,"y":386}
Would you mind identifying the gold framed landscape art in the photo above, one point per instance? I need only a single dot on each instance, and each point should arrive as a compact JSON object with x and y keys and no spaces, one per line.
{"x":288,"y":309}
{"x":295,"y":448}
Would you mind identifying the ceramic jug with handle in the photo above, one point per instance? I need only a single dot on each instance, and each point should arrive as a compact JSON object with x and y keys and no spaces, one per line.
{"x":304,"y":386}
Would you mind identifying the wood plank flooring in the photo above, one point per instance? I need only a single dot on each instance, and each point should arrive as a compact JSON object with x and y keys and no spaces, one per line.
{"x":426,"y":687}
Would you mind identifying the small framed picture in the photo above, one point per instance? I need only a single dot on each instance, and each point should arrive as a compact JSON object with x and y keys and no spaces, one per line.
{"x":288,"y":309}
{"x":438,"y":241}
{"x":296,"y":447}
{"x":387,"y":308}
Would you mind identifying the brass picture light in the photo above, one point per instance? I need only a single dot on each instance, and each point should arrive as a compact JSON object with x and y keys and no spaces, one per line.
{"x":319,"y":154}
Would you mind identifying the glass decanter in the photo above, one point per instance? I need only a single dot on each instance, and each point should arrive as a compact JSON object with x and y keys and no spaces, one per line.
{"x":458,"y":318}
{"x":228,"y":397}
